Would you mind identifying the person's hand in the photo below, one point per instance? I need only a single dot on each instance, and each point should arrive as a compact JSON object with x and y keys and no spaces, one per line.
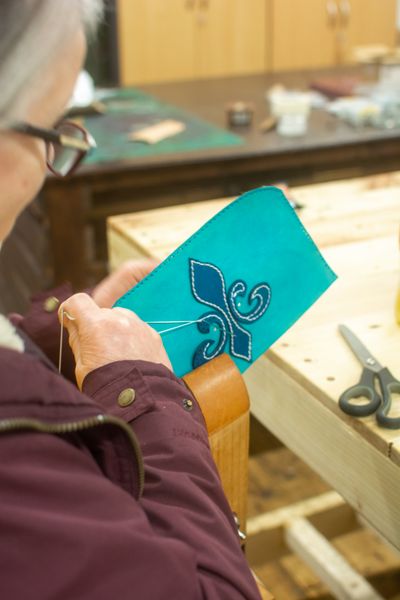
{"x":108,"y":291}
{"x":99,"y":336}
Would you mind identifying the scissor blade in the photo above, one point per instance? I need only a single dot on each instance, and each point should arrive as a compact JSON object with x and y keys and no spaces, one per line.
{"x":363,"y":354}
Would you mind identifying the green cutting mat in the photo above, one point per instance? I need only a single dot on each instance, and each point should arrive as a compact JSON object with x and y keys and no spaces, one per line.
{"x":129,"y":110}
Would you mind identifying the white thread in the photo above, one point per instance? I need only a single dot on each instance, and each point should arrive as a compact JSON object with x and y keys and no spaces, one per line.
{"x":182,"y":324}
{"x":167,"y":322}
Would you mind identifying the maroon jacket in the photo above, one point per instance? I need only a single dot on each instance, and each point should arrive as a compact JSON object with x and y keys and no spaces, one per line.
{"x":103,"y":502}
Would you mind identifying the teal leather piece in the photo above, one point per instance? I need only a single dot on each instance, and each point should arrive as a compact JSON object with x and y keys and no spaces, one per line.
{"x":247,"y":275}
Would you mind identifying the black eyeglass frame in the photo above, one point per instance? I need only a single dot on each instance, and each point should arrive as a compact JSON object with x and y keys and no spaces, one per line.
{"x":52,"y":136}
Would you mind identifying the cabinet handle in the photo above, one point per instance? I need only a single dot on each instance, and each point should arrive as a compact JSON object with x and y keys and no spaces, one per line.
{"x":190,"y":4}
{"x":204,"y":4}
{"x":345,"y":11}
{"x":333,"y":12}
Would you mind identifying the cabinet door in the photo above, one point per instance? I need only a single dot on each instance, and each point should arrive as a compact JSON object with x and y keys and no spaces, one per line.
{"x":156,"y":40}
{"x":232,"y":37}
{"x":304,"y":33}
{"x":368,"y":22}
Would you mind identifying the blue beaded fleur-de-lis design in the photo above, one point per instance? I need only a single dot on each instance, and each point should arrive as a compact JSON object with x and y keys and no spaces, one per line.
{"x":208,"y":287}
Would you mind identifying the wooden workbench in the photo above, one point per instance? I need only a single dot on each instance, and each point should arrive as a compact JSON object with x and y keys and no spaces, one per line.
{"x":295,"y":386}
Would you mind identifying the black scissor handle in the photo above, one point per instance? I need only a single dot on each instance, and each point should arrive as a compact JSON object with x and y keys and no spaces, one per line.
{"x":365,"y":388}
{"x":389,"y":386}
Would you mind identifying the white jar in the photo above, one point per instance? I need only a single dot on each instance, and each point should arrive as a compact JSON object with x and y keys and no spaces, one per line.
{"x":292,"y":110}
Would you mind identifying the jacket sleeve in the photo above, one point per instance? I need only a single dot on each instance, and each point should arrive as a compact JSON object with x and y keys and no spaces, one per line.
{"x":69,"y":531}
{"x":183,"y":500}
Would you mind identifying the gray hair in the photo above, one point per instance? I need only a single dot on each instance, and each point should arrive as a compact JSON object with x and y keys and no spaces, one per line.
{"x":31,"y":33}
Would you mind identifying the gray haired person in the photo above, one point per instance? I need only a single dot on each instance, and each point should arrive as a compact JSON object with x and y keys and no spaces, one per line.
{"x":107,"y":484}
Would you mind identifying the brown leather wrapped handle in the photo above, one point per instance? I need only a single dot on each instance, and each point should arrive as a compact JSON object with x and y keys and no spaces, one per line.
{"x":219,"y":388}
{"x":222,"y":395}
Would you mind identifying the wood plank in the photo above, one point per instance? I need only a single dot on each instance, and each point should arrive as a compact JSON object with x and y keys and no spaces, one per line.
{"x":289,"y":577}
{"x":337,"y":574}
{"x":266,"y":533}
{"x":281,"y":516}
{"x":364,"y":552}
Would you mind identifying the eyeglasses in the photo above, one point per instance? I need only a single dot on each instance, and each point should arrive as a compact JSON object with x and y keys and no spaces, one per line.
{"x":66,"y":145}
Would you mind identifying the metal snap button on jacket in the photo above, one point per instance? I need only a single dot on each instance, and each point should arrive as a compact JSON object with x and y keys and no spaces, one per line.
{"x":51,"y":304}
{"x":188,"y":404}
{"x":126,"y":397}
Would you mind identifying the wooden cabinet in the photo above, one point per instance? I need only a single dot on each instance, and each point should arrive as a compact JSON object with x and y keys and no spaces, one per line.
{"x":156,"y":40}
{"x":371,"y":22}
{"x":322,"y":33}
{"x":171,"y":40}
{"x":303,"y":34}
{"x":231,"y":37}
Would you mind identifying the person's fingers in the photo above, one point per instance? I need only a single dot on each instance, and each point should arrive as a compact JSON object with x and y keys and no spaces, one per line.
{"x":99,"y":336}
{"x":77,"y":309}
{"x":138,"y":269}
{"x":126,"y":276}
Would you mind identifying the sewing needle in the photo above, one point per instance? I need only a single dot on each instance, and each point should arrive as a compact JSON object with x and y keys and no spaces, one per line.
{"x":60,"y":351}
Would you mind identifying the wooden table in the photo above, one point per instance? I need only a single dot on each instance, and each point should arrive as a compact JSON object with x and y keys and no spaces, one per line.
{"x":295,"y":386}
{"x":77,"y":208}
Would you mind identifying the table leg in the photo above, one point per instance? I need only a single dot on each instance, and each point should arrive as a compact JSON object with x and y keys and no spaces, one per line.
{"x":67,"y":207}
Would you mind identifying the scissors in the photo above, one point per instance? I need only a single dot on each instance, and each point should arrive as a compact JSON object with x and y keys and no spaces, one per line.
{"x":365,"y":388}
